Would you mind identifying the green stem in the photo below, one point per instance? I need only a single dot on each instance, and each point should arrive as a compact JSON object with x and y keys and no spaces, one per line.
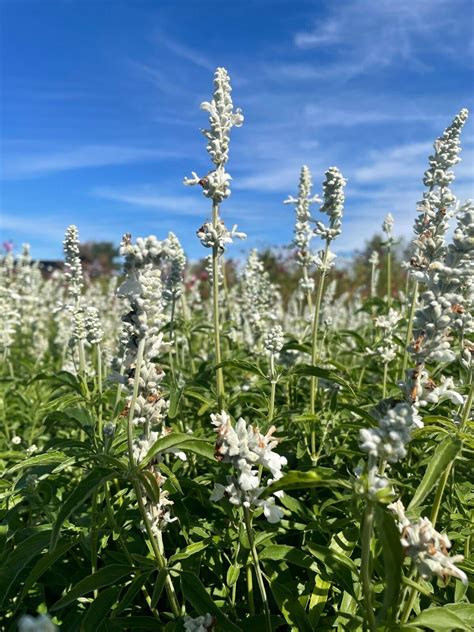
{"x":138,"y":492}
{"x":314,"y":348}
{"x":250,"y":590}
{"x":414,"y":297}
{"x":409,"y":605}
{"x":215,"y":312}
{"x":99,"y":387}
{"x":389,"y":275}
{"x":385,"y":371}
{"x":271,"y":410}
{"x":439,"y":496}
{"x":365,"y":565}
{"x":123,"y":546}
{"x":258,"y":572}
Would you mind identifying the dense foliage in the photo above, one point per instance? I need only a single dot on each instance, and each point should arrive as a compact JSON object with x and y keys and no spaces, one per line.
{"x":183,"y":452}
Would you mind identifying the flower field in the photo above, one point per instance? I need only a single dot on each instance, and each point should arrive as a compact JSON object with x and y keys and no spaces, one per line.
{"x":183,"y":452}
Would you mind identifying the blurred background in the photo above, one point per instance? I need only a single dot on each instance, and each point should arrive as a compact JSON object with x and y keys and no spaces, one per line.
{"x":100,"y":115}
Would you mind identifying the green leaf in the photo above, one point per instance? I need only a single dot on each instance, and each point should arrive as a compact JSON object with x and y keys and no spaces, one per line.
{"x":19,"y":558}
{"x":48,"y":458}
{"x":44,"y":564}
{"x":338,"y":566}
{"x":317,"y":477}
{"x":233,"y":573}
{"x":110,"y":574}
{"x":447,"y":618}
{"x":289,"y":606}
{"x":442,"y":457}
{"x":325,"y":374}
{"x":318,"y":600}
{"x":78,"y":496}
{"x":199,"y":598}
{"x":181,"y":441}
{"x":289,"y":554}
{"x":100,"y":608}
{"x":244,"y":365}
{"x":392,"y":553}
{"x":136,"y":585}
{"x":192,"y":549}
{"x":175,"y":397}
{"x":159,"y":585}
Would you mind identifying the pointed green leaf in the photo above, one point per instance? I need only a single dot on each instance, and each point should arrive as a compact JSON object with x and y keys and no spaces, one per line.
{"x":445,"y":452}
{"x":110,"y":574}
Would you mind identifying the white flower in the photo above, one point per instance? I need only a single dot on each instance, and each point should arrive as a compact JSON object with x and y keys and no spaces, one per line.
{"x":42,"y":623}
{"x":388,"y":441}
{"x":427,"y":547}
{"x":246,"y":448}
{"x":387,"y":225}
{"x":333,"y":204}
{"x":16,"y":440}
{"x":274,"y":340}
{"x":199,"y":624}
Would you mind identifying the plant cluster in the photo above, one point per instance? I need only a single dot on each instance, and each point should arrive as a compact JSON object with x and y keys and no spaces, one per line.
{"x":179,"y":453}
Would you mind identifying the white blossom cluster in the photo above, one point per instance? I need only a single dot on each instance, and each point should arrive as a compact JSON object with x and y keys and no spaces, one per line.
{"x":142,"y":289}
{"x":219,"y":236}
{"x":246,"y":448}
{"x":422,"y":390}
{"x":258,"y":298}
{"x":436,"y":207}
{"x":387,"y":324}
{"x":9,"y":312}
{"x":41,"y":623}
{"x":73,"y":272}
{"x":333,"y":204}
{"x":303,"y":232}
{"x":427,"y":547}
{"x":274,"y":339}
{"x":374,"y":261}
{"x":387,"y":226}
{"x":388,"y":441}
{"x":222,"y":117}
{"x":93,"y":325}
{"x":342,"y":311}
{"x":173,"y":253}
{"x":446,"y":305}
{"x":204,"y":623}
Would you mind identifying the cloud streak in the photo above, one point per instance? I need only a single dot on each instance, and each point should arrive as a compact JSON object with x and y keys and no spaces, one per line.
{"x":82,"y":157}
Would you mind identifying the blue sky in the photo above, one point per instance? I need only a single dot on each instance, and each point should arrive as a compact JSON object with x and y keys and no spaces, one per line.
{"x":100,"y":112}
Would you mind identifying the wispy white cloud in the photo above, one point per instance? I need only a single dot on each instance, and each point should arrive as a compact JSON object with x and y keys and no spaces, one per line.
{"x":360,"y":114}
{"x":147,"y":197}
{"x":375,"y":34}
{"x":85,"y":156}
{"x":153,"y":74}
{"x":30,"y":227}
{"x":183,"y":51}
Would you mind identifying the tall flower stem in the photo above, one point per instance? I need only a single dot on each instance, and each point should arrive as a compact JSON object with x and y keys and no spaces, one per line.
{"x":384,"y":388}
{"x":365,"y":564}
{"x":438,"y":498}
{"x":411,"y":315}
{"x":389,"y":275}
{"x":309,"y":299}
{"x":258,"y":572}
{"x":271,"y":410}
{"x":175,"y":607}
{"x":445,"y":477}
{"x":314,"y":348}
{"x":215,"y":312}
{"x":99,"y":387}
